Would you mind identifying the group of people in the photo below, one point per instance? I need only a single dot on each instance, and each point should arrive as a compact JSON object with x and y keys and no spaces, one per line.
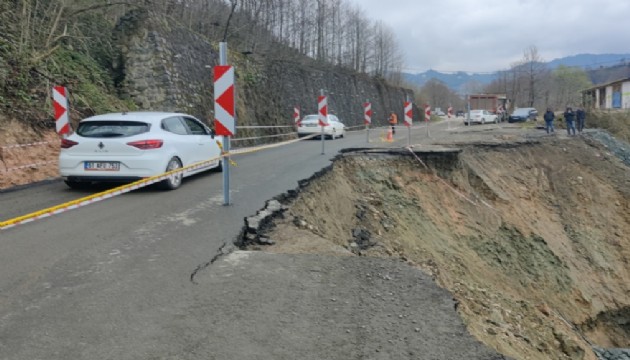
{"x":570,"y":117}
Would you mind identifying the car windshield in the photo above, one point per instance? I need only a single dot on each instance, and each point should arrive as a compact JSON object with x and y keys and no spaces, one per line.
{"x":310,"y":117}
{"x":111,"y":128}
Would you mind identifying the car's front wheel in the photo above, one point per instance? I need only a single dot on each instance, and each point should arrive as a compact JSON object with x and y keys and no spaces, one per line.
{"x":173,"y":181}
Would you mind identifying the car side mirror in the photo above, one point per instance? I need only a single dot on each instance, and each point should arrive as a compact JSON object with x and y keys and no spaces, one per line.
{"x":212,"y":133}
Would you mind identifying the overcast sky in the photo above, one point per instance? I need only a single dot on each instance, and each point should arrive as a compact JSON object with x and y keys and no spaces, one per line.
{"x":489,"y":35}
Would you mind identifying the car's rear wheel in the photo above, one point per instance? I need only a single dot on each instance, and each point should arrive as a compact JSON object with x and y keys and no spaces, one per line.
{"x":77,"y":185}
{"x":173,"y":181}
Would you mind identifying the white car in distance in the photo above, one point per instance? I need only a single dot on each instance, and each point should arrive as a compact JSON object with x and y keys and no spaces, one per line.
{"x":309,"y":125}
{"x":480,"y":117}
{"x":128,"y":146}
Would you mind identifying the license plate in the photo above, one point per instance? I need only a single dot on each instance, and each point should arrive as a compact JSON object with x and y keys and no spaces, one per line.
{"x":101,"y":166}
{"x":311,"y":125}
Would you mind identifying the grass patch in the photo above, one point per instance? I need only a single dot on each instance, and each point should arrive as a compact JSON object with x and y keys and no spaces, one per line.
{"x":616,"y":122}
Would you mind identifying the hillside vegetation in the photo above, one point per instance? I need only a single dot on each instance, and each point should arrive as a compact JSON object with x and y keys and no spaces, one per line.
{"x":72,"y":43}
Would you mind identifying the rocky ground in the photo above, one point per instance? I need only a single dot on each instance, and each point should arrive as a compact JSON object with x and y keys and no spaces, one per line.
{"x":527,"y":231}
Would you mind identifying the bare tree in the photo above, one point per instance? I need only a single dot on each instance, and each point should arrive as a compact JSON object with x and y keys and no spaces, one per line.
{"x":534,"y":68}
{"x":437,"y":94}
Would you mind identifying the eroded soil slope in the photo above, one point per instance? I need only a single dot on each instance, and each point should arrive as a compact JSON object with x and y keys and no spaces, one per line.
{"x":26,"y":155}
{"x":530,"y":237}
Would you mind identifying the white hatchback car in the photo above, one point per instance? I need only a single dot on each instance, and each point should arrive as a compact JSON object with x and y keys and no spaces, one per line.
{"x":481,"y":117}
{"x":123,"y":147}
{"x":309,"y":125}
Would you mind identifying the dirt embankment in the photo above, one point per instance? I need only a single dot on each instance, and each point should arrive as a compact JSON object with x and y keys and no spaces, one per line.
{"x":531,"y":238}
{"x":26,"y":156}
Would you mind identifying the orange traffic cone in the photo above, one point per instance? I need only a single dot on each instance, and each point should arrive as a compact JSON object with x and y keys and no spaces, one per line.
{"x":390,"y":135}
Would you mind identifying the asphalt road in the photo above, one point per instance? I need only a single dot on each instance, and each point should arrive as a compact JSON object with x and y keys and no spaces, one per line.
{"x":112,"y":280}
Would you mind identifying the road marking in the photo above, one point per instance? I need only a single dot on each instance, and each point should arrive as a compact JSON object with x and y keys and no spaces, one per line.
{"x":107,"y":194}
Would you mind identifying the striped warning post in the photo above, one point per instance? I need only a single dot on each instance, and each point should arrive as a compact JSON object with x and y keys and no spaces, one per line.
{"x":367,"y":113}
{"x":408,"y":113}
{"x":296,"y":116}
{"x":322,"y":110}
{"x":60,"y":104}
{"x":427,"y":112}
{"x":224,"y":123}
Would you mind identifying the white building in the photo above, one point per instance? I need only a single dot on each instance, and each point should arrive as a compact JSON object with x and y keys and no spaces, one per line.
{"x":612,"y":95}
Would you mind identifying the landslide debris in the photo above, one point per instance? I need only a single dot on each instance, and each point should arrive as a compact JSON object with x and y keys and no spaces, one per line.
{"x":530,"y":237}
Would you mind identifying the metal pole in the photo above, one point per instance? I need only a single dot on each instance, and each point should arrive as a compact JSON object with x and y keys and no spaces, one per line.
{"x":408,"y":127}
{"x":448,"y":117}
{"x":367,"y":126}
{"x":468,"y":109}
{"x":323,"y":136}
{"x":226,"y":139}
{"x":427,"y":119}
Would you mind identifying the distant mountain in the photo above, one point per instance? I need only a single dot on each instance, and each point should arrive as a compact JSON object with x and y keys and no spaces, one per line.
{"x":455,"y":81}
{"x":462,"y":81}
{"x":590,"y":61}
{"x":603,"y":75}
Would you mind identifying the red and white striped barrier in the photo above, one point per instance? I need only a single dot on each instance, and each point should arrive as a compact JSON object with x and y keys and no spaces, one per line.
{"x":427,"y":113}
{"x":450,"y":112}
{"x":296,"y":116}
{"x":61,"y":106}
{"x":224,"y":123}
{"x":408,"y":113}
{"x":367,"y":113}
{"x":322,"y":110}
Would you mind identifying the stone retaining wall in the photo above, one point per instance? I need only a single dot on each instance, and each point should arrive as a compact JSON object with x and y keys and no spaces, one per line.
{"x":164,"y":66}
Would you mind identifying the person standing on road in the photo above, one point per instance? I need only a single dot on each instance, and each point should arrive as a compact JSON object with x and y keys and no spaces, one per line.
{"x":580,"y":116}
{"x":393,"y":121}
{"x":569,"y":116}
{"x":549,"y":118}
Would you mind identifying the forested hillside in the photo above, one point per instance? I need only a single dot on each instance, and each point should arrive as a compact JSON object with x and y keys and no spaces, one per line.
{"x":83,"y":44}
